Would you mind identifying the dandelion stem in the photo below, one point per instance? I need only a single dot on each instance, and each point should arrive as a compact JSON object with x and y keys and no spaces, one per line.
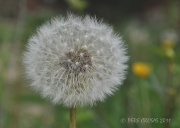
{"x":73,"y":117}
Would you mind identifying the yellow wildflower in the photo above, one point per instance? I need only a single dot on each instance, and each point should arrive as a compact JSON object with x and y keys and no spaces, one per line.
{"x":141,"y":69}
{"x":167,"y":44}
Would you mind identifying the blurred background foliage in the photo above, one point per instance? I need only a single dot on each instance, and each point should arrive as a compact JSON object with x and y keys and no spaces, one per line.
{"x":151,"y":31}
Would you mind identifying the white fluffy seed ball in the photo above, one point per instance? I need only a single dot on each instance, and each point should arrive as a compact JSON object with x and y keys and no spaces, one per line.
{"x":75,"y":60}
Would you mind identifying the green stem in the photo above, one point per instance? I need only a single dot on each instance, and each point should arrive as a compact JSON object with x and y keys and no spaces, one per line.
{"x":72,"y":117}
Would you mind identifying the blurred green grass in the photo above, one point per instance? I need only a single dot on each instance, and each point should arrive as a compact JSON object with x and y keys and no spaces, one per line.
{"x":22,"y":107}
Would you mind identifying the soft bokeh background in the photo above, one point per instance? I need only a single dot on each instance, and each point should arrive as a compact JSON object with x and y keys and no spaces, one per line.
{"x":151,"y":30}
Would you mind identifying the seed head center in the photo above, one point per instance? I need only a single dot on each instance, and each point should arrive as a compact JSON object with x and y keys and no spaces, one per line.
{"x":76,"y":61}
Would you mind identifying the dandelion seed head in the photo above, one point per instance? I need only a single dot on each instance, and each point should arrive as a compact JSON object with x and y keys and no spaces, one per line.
{"x":75,"y":60}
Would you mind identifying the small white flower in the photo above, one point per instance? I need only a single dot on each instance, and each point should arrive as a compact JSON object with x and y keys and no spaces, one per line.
{"x":63,"y":65}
